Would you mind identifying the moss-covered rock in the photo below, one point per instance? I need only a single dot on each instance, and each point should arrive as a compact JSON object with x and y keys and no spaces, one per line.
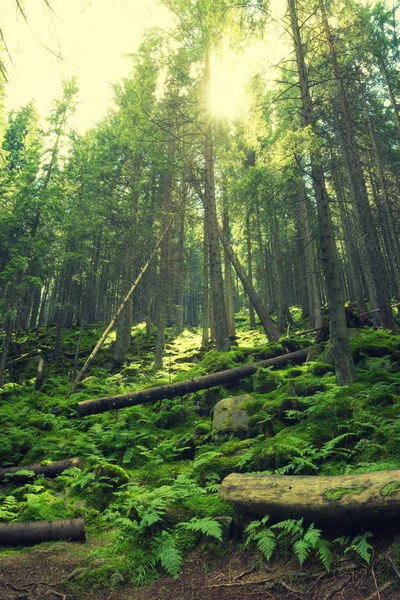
{"x":113,"y":475}
{"x":230,"y":417}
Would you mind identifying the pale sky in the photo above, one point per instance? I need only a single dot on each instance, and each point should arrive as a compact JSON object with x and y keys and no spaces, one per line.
{"x":92,"y":36}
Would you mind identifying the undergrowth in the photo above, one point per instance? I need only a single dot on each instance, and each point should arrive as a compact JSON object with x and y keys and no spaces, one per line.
{"x":152,"y":473}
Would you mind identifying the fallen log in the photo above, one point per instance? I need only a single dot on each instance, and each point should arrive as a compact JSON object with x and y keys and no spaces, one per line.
{"x":50,"y":470}
{"x":28,"y":534}
{"x":365,"y":497}
{"x":172,"y":390}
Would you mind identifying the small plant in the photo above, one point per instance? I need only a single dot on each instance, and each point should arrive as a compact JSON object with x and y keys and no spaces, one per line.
{"x":304,"y":541}
{"x":359,"y":545}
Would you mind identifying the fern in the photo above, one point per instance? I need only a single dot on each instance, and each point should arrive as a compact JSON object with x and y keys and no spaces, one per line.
{"x":302,"y":550}
{"x":361,"y":546}
{"x":324,"y":554}
{"x":168,"y":554}
{"x":206,"y":526}
{"x":304,"y":542}
{"x":266,"y":542}
{"x":9,"y":509}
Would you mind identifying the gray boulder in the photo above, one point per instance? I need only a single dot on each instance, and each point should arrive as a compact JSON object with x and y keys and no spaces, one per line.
{"x":230,"y":416}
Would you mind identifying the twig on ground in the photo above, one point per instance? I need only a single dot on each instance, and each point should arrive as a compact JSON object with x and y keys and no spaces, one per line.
{"x":383,"y":587}
{"x":16,"y":588}
{"x":245,"y":573}
{"x":62,"y":596}
{"x":375,"y":582}
{"x":241,"y":583}
{"x":392,"y":562}
{"x":288,"y":587}
{"x":337,"y":588}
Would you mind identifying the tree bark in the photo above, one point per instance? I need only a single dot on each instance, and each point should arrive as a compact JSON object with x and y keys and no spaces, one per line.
{"x":4,"y":351}
{"x":172,"y":390}
{"x":222,"y":342}
{"x":51,"y":470}
{"x":341,"y":498}
{"x":375,"y":271}
{"x":206,"y":294}
{"x":249,"y":269}
{"x":230,"y":312}
{"x":28,"y":534}
{"x":269,"y":326}
{"x":120,"y":311}
{"x":344,"y":365}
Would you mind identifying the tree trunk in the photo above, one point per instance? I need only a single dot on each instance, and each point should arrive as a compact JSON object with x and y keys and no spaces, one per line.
{"x":50,"y":470}
{"x":375,"y":267}
{"x":4,"y":351}
{"x":313,"y":296}
{"x":266,"y":321}
{"x":230,"y":313}
{"x":181,"y":273}
{"x":172,"y":390}
{"x":344,"y":365}
{"x":249,"y":269}
{"x":222,"y":342}
{"x":29,"y":534}
{"x":391,"y":93}
{"x":206,"y":294}
{"x":337,"y":499}
{"x":120,"y":311}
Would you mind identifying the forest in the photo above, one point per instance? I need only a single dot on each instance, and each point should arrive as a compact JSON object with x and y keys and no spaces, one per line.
{"x":199,"y":312}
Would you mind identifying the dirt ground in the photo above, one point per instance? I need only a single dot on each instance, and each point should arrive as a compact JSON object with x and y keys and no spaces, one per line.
{"x":46,"y":572}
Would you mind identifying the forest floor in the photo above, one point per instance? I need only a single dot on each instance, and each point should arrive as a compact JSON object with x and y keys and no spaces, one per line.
{"x":149,"y":487}
{"x":44,"y":572}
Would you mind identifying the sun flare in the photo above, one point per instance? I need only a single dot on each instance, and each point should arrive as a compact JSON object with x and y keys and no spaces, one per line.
{"x":228,"y":79}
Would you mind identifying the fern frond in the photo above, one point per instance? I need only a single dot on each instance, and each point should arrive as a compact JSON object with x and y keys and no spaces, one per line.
{"x":301,"y":550}
{"x":168,"y":554}
{"x":266,"y":542}
{"x":206,"y":526}
{"x":324,"y":554}
{"x":312,"y":536}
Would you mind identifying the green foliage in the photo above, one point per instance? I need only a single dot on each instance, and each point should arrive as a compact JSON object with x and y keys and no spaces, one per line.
{"x":304,"y":542}
{"x":359,"y":545}
{"x":205,"y":526}
{"x":155,"y":504}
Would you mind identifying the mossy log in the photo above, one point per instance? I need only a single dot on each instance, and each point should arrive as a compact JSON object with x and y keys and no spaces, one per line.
{"x":172,"y":390}
{"x":365,"y":497}
{"x":28,"y":534}
{"x":50,"y":470}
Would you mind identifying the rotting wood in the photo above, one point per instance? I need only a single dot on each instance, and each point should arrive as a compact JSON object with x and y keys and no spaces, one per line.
{"x":28,"y":534}
{"x":365,"y":497}
{"x":172,"y":390}
{"x":50,"y":470}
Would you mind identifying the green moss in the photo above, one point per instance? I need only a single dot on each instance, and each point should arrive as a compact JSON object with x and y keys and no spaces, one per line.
{"x":266,"y":380}
{"x":308,"y":387}
{"x":390,"y":489}
{"x":335,"y":494}
{"x":113,"y":474}
{"x":320,"y":368}
{"x":250,"y":405}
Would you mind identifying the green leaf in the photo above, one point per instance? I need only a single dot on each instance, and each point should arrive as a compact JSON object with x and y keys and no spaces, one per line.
{"x":266,"y":542}
{"x":206,"y":526}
